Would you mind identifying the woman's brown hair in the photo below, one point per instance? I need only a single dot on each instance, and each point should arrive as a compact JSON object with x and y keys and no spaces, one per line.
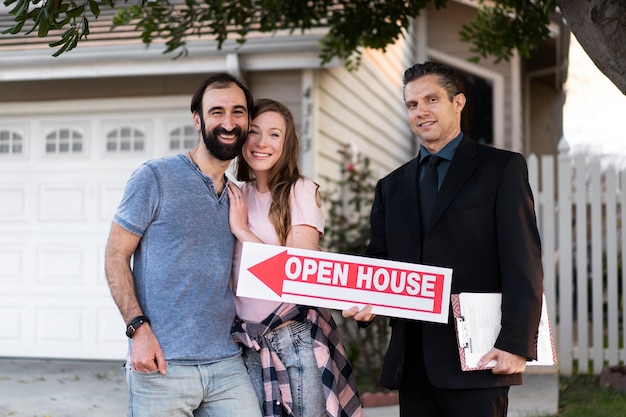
{"x":283,"y":175}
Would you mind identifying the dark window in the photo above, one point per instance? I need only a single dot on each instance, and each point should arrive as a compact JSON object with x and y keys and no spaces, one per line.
{"x":477,"y":116}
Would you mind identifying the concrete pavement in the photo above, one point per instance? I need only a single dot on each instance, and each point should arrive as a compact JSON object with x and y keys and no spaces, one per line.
{"x":56,"y":388}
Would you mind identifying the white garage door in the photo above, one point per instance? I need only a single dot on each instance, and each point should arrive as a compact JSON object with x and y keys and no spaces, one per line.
{"x":63,"y":168}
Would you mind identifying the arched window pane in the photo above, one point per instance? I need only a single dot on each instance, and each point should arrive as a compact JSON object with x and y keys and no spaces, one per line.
{"x":11,"y":143}
{"x":64,"y":141}
{"x":125,"y":139}
{"x":183,"y":138}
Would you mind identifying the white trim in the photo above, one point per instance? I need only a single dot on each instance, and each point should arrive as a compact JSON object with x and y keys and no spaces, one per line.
{"x":308,"y":148}
{"x":422,"y":36}
{"x":517,"y":143}
{"x":269,"y":53}
{"x":498,"y":90}
{"x":41,"y":108}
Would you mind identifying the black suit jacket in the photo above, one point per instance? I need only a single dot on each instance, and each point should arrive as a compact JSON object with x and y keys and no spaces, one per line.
{"x":484,"y":228}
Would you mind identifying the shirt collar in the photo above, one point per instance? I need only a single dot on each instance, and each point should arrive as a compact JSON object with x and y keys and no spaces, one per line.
{"x":446,"y":153}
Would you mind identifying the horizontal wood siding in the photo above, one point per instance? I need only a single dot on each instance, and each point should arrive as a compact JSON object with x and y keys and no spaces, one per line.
{"x":443,"y":31}
{"x":283,"y":86}
{"x":365,"y":109}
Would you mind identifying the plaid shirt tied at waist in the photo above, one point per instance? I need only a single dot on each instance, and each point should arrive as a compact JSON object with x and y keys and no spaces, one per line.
{"x":342,"y":398}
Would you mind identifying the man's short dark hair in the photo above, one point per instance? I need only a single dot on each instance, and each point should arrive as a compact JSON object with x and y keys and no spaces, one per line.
{"x":220,"y":80}
{"x":447,"y":77}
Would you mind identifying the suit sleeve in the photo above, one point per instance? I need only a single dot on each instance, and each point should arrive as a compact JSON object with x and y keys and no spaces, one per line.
{"x":377,"y":246}
{"x":520,"y":261}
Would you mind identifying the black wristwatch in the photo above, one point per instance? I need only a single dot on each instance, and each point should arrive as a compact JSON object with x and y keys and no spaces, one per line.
{"x":134,"y":324}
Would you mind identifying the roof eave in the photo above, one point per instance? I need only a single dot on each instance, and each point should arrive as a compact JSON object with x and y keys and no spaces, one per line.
{"x":279,"y":52}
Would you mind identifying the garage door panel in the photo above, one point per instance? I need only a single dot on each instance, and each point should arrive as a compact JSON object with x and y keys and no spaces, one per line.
{"x":13,"y":207}
{"x":12,"y":261}
{"x":60,"y":324}
{"x":60,"y":185}
{"x":62,"y":203}
{"x":11,"y":322}
{"x":60,"y":265}
{"x":110,"y":329}
{"x":110,"y":195}
{"x":88,"y":327}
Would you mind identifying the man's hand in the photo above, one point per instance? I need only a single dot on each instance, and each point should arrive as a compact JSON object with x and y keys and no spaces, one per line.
{"x":146,"y":354}
{"x":359,"y":315}
{"x":507,"y":363}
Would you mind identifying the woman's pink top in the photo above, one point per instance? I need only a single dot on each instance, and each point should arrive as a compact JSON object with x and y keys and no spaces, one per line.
{"x":304,"y":211}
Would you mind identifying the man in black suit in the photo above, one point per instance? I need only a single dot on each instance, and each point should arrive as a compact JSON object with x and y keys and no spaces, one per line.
{"x":483,"y":226}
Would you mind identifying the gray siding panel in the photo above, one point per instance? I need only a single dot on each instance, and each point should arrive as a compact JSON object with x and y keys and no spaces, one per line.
{"x":283,"y":86}
{"x":365,"y":108}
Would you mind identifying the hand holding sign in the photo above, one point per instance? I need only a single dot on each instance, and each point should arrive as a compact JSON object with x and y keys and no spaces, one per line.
{"x":364,"y":314}
{"x":337,"y":281}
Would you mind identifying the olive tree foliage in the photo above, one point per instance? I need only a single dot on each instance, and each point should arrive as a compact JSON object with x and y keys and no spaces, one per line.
{"x":499,"y":27}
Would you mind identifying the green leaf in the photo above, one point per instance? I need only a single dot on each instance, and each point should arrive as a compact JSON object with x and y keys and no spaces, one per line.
{"x":76,"y":12}
{"x":15,"y":29}
{"x":43,"y":28}
{"x":499,"y":26}
{"x":85,"y":30}
{"x":20,"y":8}
{"x":95,"y":9}
{"x":64,"y":38}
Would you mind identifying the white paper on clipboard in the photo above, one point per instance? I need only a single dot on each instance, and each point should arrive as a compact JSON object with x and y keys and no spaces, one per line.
{"x":477,"y":319}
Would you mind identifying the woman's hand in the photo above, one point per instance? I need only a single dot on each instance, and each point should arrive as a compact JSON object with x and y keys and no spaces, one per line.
{"x":238,"y":212}
{"x":238,"y":216}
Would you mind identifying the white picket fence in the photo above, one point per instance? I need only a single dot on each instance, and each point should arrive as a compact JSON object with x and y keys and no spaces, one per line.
{"x":580,"y":212}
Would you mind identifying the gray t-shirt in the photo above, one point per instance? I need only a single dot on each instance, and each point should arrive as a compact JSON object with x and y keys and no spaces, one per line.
{"x":183,"y":262}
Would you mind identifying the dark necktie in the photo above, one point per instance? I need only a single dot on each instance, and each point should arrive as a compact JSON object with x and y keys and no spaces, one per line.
{"x":428,"y":188}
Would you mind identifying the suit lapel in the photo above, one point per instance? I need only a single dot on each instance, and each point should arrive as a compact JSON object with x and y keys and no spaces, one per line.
{"x":410,"y":200}
{"x":461,"y":167}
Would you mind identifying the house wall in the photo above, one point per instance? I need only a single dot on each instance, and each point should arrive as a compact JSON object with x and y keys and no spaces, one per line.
{"x":546,"y":114}
{"x":528,"y":105}
{"x":104,"y":87}
{"x":56,"y":211}
{"x":444,"y":45}
{"x":283,"y":86}
{"x":57,"y":208}
{"x":364,"y":108}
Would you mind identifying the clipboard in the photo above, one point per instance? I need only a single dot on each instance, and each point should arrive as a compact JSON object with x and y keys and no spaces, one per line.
{"x":477,"y":319}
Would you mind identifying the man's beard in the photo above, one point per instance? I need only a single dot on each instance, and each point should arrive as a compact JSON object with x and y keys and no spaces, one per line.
{"x":222,"y":151}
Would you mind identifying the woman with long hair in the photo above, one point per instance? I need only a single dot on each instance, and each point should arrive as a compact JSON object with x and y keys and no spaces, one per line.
{"x":293,"y":353}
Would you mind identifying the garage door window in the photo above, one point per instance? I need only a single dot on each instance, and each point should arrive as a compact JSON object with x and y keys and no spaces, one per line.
{"x":64,"y":141}
{"x":125,"y":140}
{"x":183,"y":138}
{"x":11,"y":143}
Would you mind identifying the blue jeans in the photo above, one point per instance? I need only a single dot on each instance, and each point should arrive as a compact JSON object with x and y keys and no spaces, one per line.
{"x":211,"y":390}
{"x":294,"y":347}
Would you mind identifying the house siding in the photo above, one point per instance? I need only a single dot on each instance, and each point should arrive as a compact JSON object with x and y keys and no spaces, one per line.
{"x":443,"y":36}
{"x":57,"y":210}
{"x":364,"y":108}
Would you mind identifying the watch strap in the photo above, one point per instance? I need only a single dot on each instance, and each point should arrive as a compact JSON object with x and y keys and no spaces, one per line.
{"x":134,"y":324}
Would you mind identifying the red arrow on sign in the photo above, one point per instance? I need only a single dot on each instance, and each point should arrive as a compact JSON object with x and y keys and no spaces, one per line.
{"x":274,"y":271}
